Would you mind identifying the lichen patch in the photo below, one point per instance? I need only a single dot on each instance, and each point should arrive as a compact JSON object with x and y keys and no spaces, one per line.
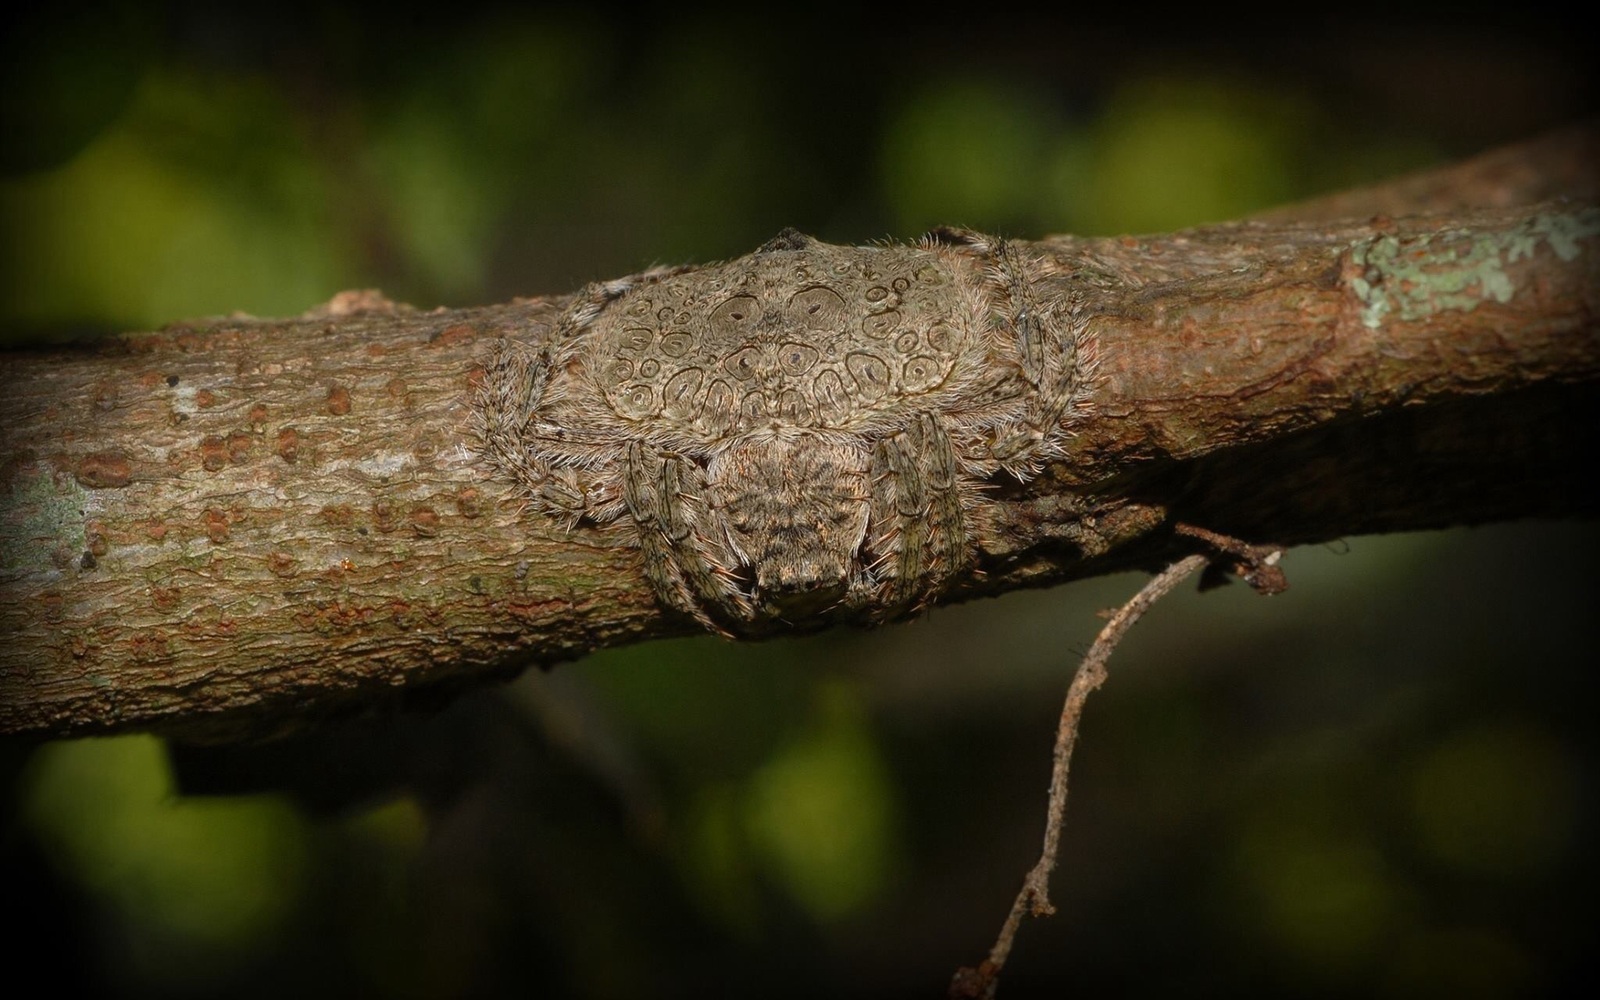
{"x":1413,"y":279}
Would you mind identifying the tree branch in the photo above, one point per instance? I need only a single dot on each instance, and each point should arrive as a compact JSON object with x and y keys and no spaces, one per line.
{"x":227,"y":527}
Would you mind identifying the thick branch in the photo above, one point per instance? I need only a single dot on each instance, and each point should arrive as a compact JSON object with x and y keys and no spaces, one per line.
{"x":228,"y":526}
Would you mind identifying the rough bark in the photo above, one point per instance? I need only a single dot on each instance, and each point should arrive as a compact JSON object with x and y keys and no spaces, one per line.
{"x":231,"y":526}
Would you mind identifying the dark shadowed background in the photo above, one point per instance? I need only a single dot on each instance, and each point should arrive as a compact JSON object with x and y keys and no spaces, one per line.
{"x":1381,"y":782}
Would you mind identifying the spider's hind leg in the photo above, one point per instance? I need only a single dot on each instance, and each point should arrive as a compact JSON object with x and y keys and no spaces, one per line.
{"x":919,"y":532}
{"x":1052,"y":347}
{"x":514,"y":381}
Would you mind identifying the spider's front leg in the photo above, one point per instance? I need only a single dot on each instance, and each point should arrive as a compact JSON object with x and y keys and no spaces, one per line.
{"x":917,"y":509}
{"x":684,"y":560}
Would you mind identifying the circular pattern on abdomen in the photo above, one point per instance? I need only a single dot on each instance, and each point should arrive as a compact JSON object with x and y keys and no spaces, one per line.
{"x":833,"y":403}
{"x":870,"y":373}
{"x":881,"y":324}
{"x":797,"y":359}
{"x":636,"y":401}
{"x":734,"y":318}
{"x":709,"y":354}
{"x":922,"y":373}
{"x":682,"y":400}
{"x":677,"y":343}
{"x":817,"y":308}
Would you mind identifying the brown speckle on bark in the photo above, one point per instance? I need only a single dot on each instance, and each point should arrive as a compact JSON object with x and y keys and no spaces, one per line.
{"x":383,"y":516}
{"x":454,"y":334}
{"x":164,"y":598}
{"x":52,"y":605}
{"x":469,"y":502}
{"x":216,"y":525}
{"x":239,"y":444}
{"x":288,"y":444}
{"x":104,"y":469}
{"x":282,"y":564}
{"x":337,"y":515}
{"x":147,"y":648}
{"x":205,"y":399}
{"x":105,"y":396}
{"x":213,"y":453}
{"x":338,"y":400}
{"x":399,"y":391}
{"x":258,"y":416}
{"x":425,"y":522}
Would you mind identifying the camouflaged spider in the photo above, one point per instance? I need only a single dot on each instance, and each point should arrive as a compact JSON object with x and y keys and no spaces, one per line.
{"x":804,"y":428}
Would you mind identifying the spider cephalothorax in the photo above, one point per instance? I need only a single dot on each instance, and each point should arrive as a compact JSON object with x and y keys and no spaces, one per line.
{"x":801,"y":428}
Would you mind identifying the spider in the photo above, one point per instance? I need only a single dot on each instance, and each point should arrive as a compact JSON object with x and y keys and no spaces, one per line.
{"x":805,"y":428}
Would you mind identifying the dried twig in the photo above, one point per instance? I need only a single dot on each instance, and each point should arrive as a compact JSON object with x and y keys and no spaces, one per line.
{"x":1035,"y":895}
{"x":1258,"y":567}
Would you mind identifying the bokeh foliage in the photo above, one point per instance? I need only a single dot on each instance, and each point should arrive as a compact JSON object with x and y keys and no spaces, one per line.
{"x":1380,"y":782}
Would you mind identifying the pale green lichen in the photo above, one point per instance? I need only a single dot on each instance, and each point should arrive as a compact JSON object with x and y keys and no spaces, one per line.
{"x":1562,"y":232}
{"x":41,"y":515}
{"x":1416,"y":278}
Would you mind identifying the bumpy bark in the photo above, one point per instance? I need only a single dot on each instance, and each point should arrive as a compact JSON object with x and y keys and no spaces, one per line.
{"x":230,"y":526}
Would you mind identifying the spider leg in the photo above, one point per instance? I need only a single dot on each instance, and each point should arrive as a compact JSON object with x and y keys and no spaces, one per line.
{"x":664,"y":495}
{"x":920,"y":537}
{"x":514,"y":382}
{"x":1048,"y":347}
{"x":702,"y":558}
{"x":641,"y":485}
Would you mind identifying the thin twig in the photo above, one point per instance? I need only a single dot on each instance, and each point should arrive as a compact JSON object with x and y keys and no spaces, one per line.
{"x":1035,"y":895}
{"x":1256,"y":565}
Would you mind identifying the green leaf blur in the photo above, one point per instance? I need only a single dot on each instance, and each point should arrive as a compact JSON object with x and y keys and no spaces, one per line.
{"x":201,"y":881}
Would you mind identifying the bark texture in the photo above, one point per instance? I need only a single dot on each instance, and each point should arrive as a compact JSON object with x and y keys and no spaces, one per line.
{"x":228,"y":527}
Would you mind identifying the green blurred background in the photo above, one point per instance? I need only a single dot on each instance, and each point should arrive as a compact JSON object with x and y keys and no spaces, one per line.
{"x":1381,"y":782}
